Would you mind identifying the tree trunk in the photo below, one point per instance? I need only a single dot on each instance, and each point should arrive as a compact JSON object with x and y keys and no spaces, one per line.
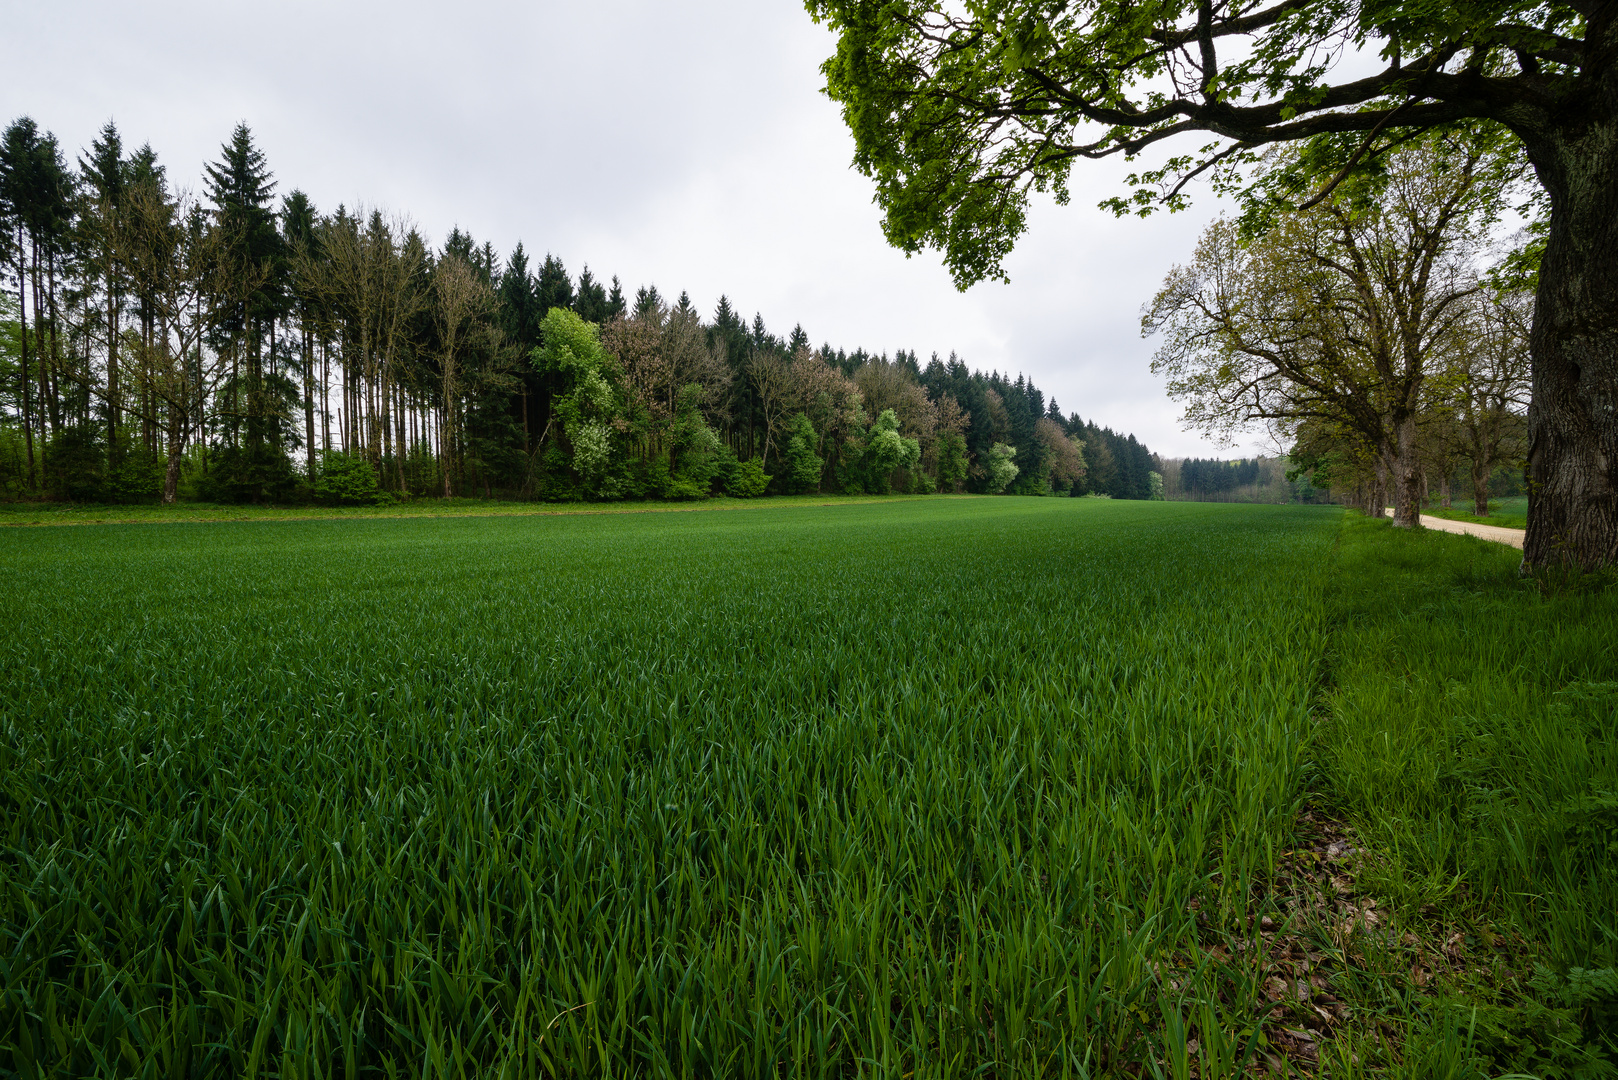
{"x":22,"y":315}
{"x":1480,"y":487}
{"x":1443,"y":491}
{"x":1406,"y":476}
{"x":1573,"y":415}
{"x":1379,"y":486}
{"x":308,"y":402}
{"x":112,"y":368}
{"x":171,"y":475}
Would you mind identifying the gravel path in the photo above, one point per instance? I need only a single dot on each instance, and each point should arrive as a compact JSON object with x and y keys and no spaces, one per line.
{"x":1498,"y":533}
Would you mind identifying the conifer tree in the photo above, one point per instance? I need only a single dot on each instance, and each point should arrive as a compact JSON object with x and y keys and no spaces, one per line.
{"x":253,"y":267}
{"x":647,"y":300}
{"x":104,"y":173}
{"x":591,"y":304}
{"x":555,"y":287}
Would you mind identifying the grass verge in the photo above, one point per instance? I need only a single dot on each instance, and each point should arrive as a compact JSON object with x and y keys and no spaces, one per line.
{"x":1508,"y":513}
{"x":1471,"y":744}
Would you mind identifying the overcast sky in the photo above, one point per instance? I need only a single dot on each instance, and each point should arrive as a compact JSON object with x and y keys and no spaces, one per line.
{"x":686,"y":145}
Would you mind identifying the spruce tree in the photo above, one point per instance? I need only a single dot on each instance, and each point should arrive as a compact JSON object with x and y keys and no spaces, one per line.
{"x":253,"y":275}
{"x":298,"y":228}
{"x":591,"y":304}
{"x":105,"y":173}
{"x":647,"y":299}
{"x":555,"y":287}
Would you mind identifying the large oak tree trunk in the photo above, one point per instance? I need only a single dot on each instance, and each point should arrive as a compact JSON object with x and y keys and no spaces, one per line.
{"x":1406,"y":476}
{"x":1480,"y":487}
{"x":1573,"y":418}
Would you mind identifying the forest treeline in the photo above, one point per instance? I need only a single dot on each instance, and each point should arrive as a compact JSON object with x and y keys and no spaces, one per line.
{"x":238,"y":345}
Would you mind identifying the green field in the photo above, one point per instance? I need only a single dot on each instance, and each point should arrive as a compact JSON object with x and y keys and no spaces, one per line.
{"x":932,"y":787}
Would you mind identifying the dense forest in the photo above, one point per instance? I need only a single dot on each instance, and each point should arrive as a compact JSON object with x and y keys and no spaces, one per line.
{"x":243,"y":345}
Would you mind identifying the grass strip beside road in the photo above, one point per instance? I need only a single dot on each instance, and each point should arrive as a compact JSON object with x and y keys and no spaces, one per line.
{"x":1472,"y":744}
{"x":1508,"y":513}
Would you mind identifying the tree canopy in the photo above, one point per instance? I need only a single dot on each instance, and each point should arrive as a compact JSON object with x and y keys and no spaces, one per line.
{"x":960,"y":112}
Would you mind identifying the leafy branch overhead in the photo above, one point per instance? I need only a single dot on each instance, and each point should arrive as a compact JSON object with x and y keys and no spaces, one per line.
{"x":960,"y":111}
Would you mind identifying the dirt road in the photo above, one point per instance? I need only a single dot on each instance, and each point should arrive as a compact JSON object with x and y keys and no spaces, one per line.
{"x":1498,"y":533}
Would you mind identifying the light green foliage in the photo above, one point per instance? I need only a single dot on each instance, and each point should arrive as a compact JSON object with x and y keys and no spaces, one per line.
{"x":587,"y":402}
{"x":1002,"y":470}
{"x":592,"y":446}
{"x":885,"y":451}
{"x":768,"y":792}
{"x":1155,"y":480}
{"x":961,"y":113}
{"x":748,"y":479}
{"x":803,"y":464}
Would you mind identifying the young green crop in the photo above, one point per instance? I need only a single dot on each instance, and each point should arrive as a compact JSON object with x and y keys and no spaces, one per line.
{"x":915,"y":788}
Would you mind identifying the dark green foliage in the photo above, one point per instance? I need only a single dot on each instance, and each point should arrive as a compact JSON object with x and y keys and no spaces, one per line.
{"x":747,"y":480}
{"x":952,"y":463}
{"x":554,"y":289}
{"x":347,"y":480}
{"x":1211,"y":477}
{"x":254,"y":472}
{"x":592,"y":303}
{"x":803,"y":464}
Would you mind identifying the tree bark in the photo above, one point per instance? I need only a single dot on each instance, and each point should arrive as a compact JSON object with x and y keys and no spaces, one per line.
{"x":22,"y":315}
{"x":171,"y":475}
{"x":1405,"y":469}
{"x":308,"y":400}
{"x":112,"y":365}
{"x":1480,"y":487}
{"x":1573,"y":415}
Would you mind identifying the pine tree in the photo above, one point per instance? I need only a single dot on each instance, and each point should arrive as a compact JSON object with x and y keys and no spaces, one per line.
{"x":798,"y":340}
{"x":35,"y":187}
{"x":105,"y":173}
{"x":253,"y":264}
{"x":555,"y":287}
{"x":616,"y":307}
{"x":592,"y":303}
{"x":460,"y":245}
{"x":298,"y":221}
{"x":647,"y":299}
{"x":724,"y":316}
